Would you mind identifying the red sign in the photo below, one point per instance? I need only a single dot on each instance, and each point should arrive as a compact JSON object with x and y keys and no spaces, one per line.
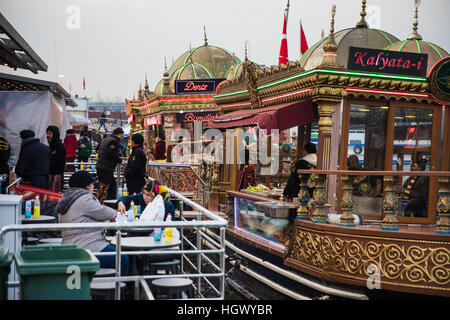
{"x":196,"y":116}
{"x":150,"y":121}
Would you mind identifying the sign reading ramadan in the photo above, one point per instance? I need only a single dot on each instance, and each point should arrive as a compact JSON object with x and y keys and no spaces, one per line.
{"x":196,"y":86}
{"x":384,"y":61}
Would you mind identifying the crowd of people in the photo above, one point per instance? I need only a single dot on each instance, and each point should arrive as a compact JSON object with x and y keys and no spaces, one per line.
{"x":43,"y":166}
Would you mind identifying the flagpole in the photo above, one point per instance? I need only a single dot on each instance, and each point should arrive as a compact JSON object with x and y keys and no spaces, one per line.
{"x":300,"y":48}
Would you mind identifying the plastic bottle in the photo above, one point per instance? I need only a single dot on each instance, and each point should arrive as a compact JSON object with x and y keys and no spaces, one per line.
{"x":81,"y":166}
{"x":28,"y":209}
{"x":37,"y":208}
{"x":138,"y":210}
{"x":125,"y":190}
{"x":133,"y":208}
{"x":169,"y":230}
{"x":130,"y":215}
{"x":157,"y":234}
{"x":119,"y":193}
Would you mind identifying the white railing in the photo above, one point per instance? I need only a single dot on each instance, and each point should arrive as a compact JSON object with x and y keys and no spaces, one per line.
{"x":195,"y":249}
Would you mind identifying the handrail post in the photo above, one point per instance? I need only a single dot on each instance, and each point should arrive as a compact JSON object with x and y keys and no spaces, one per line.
{"x":443,"y":206}
{"x":118,"y":263}
{"x":303,"y":198}
{"x":199,"y":256}
{"x":390,"y":205}
{"x":320,"y":199}
{"x":222,"y":262}
{"x":347,"y":219}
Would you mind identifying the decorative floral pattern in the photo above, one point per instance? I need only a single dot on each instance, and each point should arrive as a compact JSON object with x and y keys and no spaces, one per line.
{"x":423,"y":264}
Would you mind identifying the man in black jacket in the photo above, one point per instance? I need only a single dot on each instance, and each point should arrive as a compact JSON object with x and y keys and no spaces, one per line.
{"x":137,"y":163}
{"x":108,"y":158}
{"x":34,"y":161}
{"x":57,"y":158}
{"x":5,"y":153}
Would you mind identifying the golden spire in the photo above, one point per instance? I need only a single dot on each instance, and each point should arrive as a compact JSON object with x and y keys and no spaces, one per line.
{"x":330,"y":46}
{"x":206,"y":39}
{"x":246,"y":58}
{"x":362,"y":23}
{"x":146,"y":83}
{"x":140,"y":91}
{"x":166,"y":78}
{"x":414,"y":34}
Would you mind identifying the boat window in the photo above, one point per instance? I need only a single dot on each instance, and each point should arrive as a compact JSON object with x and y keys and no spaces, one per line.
{"x":412,"y":152}
{"x":366,"y":151}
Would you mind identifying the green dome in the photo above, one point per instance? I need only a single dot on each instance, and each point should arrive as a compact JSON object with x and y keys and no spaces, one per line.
{"x":435,"y":53}
{"x":350,"y":37}
{"x":205,"y":62}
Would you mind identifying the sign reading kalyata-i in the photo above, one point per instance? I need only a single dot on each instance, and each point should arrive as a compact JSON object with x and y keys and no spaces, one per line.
{"x":385,"y":61}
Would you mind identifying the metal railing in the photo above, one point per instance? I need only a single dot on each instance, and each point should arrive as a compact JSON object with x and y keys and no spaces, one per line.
{"x":202,"y":187}
{"x":389,"y":194}
{"x":13,"y":184}
{"x":201,"y":254}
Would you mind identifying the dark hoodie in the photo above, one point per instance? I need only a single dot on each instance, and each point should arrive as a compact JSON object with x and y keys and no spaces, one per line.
{"x":136,"y":169}
{"x":33,"y":162}
{"x":58,"y":152}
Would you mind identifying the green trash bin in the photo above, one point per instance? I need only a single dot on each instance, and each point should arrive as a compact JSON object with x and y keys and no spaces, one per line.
{"x":50,"y":272}
{"x":5,"y":268}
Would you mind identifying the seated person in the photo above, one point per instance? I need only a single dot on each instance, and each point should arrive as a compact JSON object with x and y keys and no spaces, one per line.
{"x":308,"y":161}
{"x":149,"y":192}
{"x":418,"y":202}
{"x":79,"y":205}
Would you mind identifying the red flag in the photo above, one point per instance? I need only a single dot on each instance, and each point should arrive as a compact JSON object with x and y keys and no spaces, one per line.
{"x":84,"y":84}
{"x":303,"y":43}
{"x":283,"y":58}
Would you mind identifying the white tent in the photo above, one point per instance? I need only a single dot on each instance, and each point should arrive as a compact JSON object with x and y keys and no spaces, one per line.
{"x":34,"y":110}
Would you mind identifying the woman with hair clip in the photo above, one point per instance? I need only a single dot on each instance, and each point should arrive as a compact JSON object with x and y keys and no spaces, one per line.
{"x":147,"y":194}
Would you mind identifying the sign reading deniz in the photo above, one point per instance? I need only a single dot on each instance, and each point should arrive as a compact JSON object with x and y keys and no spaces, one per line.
{"x":384,"y":61}
{"x":196,"y":86}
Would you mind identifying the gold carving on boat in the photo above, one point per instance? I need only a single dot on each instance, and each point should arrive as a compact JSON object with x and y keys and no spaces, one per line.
{"x":405,"y":263}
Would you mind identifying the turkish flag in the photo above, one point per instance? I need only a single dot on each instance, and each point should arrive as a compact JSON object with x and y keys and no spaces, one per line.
{"x":303,"y":43}
{"x":283,"y":58}
{"x":84,"y":84}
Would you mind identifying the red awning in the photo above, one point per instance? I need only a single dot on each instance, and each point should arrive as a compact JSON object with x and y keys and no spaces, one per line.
{"x":281,"y":116}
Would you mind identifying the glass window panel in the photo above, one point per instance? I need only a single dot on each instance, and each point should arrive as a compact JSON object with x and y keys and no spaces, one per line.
{"x":366,"y":151}
{"x":412,"y":152}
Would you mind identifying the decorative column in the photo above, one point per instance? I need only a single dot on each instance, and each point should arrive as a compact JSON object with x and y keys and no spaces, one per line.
{"x":326,"y":109}
{"x":320,"y":199}
{"x":213,"y":204}
{"x":347,"y":219}
{"x":390,"y":205}
{"x":443,"y":206}
{"x":303,"y":198}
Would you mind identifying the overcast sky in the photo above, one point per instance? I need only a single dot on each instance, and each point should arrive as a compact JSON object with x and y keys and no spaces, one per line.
{"x":115,"y":42}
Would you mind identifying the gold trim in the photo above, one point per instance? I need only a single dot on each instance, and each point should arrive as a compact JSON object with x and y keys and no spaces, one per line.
{"x":347,"y":258}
